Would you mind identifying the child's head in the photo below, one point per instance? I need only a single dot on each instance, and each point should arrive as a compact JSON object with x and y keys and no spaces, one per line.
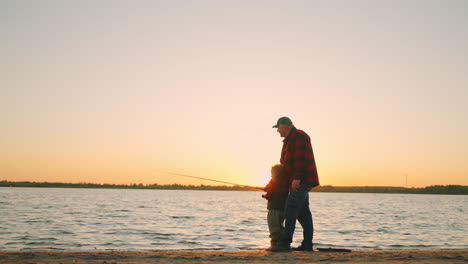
{"x":277,"y":171}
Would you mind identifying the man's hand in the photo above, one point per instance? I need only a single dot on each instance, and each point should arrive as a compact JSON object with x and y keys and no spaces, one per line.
{"x":295,"y":185}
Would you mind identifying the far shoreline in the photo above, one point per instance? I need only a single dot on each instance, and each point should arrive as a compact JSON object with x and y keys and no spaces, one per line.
{"x":434,"y":189}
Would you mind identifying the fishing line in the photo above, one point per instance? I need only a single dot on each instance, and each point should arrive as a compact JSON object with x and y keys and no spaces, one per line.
{"x":206,"y":179}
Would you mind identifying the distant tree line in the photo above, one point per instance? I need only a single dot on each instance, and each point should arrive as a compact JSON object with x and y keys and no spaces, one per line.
{"x":174,"y":186}
{"x":435,"y":189}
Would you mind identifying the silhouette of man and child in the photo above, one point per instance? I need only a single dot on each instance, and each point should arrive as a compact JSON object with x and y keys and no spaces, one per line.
{"x":288,"y":190}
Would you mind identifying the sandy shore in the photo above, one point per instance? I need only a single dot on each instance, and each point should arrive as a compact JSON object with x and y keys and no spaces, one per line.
{"x":250,"y":256}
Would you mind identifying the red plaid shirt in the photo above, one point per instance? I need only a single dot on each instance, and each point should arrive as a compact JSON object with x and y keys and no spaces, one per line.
{"x":298,"y":159}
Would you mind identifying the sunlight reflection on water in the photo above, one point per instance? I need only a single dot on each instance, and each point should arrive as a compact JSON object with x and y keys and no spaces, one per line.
{"x":99,"y":219}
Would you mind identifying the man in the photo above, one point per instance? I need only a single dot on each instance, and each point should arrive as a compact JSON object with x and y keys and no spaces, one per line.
{"x":297,"y":157}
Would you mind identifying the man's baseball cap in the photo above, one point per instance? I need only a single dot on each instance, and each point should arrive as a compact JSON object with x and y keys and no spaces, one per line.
{"x":283,"y":121}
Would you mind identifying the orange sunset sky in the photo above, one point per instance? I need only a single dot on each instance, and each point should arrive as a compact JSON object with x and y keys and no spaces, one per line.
{"x":117,"y":91}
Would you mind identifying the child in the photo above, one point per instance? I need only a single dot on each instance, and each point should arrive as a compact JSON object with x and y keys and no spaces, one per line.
{"x":277,"y":192}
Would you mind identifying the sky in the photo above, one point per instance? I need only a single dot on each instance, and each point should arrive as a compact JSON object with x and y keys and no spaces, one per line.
{"x":123,"y":91}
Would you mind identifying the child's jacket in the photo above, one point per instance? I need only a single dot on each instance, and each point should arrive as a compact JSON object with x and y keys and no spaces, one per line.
{"x":277,"y":192}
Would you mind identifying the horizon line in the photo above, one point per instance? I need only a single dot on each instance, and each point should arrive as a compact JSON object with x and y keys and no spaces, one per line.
{"x":233,"y":185}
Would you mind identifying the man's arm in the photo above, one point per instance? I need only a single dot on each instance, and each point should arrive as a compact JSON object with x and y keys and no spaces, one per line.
{"x":299,"y":161}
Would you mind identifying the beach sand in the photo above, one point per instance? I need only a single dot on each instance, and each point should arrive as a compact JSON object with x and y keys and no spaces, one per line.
{"x":248,"y":256}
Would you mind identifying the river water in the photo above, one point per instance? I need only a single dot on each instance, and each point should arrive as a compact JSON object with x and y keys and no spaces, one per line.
{"x":131,"y":219}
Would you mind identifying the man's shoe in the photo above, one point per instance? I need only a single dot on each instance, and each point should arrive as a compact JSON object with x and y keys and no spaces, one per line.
{"x":302,"y":248}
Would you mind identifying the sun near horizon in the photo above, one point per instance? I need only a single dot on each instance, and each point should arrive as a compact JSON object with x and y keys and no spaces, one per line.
{"x":113,"y":92}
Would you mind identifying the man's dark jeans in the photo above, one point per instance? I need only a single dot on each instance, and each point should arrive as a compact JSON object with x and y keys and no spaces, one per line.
{"x":297,"y":207}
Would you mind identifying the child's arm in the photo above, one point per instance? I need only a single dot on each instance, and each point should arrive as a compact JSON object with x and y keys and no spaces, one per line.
{"x":270,"y":188}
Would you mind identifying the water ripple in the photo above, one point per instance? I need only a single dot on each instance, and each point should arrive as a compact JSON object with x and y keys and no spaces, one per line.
{"x":90,"y":219}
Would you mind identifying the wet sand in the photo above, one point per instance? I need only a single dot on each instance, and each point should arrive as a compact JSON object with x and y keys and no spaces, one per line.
{"x":249,"y":256}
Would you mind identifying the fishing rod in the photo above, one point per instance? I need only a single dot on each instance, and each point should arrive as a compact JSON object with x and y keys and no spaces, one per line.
{"x":206,"y":179}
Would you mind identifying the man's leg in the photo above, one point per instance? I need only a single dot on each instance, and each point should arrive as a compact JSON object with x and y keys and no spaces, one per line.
{"x":294,"y":204}
{"x":305,"y":219}
{"x":281,"y":222}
